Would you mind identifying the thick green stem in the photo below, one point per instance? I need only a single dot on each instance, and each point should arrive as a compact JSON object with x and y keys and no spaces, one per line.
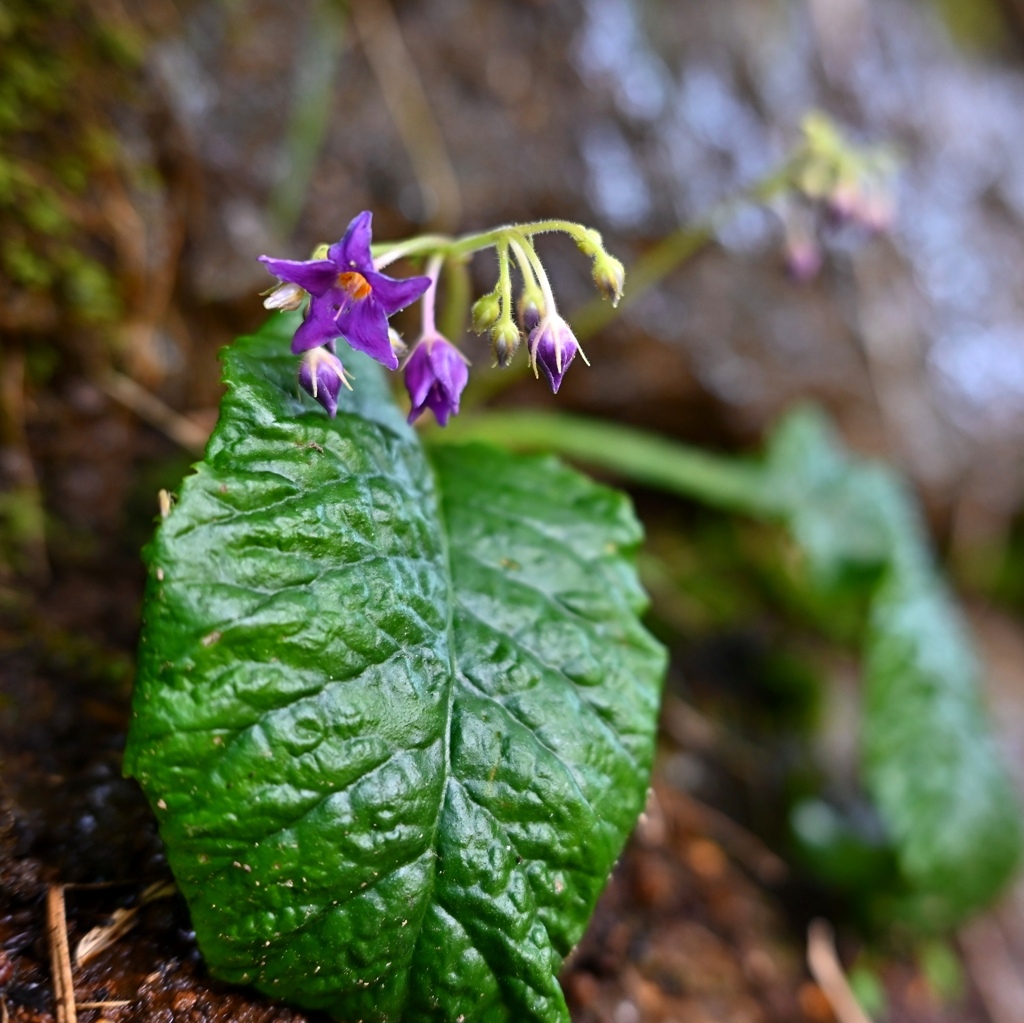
{"x":386,"y":252}
{"x":638,"y":456}
{"x":457,"y":297}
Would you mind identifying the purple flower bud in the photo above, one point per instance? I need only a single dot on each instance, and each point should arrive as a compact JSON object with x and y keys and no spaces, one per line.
{"x":868,"y":203}
{"x":322,"y":376}
{"x":435,"y":375}
{"x":552,"y":349}
{"x":843,"y":201}
{"x":529,"y":314}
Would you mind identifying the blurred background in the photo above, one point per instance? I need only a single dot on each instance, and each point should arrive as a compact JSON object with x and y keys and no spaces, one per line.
{"x":150,"y":151}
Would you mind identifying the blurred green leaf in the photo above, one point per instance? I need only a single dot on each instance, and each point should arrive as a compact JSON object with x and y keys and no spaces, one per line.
{"x":929,"y":758}
{"x":930,"y":762}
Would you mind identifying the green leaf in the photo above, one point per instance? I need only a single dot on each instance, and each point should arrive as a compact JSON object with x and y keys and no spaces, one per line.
{"x":836,"y":510}
{"x":929,"y":756}
{"x":395,"y":713}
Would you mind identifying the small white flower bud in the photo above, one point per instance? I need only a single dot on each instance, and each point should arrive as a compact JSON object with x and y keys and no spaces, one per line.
{"x":286,"y":296}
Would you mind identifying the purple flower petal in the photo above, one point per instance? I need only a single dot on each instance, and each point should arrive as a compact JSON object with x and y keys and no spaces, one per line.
{"x":318,"y":329}
{"x":317,"y":276}
{"x":364,"y":325}
{"x":419,"y":378}
{"x":353,"y":251}
{"x":393,"y":294}
{"x":350,"y":299}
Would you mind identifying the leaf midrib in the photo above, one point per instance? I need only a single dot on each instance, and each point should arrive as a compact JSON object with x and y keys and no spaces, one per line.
{"x":449,"y":579}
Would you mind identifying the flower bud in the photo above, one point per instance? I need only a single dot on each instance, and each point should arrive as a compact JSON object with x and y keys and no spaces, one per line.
{"x":877,"y":212}
{"x":286,"y":296}
{"x":529,"y":314}
{"x":435,"y":376}
{"x":552,"y":349}
{"x":486,"y":311}
{"x":590,"y":242}
{"x":504,"y":342}
{"x":609,"y":276}
{"x":322,"y":376}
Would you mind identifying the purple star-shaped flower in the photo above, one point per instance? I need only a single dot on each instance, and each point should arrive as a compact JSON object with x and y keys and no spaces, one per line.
{"x":435,"y":375}
{"x":349,"y":298}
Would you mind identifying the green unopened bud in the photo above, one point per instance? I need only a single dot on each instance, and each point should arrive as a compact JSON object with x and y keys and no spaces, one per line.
{"x":486,"y":311}
{"x":504,"y":342}
{"x":609,"y":276}
{"x":589,"y":242}
{"x":815,"y":179}
{"x":320,"y":252}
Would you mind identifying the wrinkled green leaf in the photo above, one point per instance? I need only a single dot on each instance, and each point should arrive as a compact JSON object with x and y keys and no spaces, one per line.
{"x":395,"y":713}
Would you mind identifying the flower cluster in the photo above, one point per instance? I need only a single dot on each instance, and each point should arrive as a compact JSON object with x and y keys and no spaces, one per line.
{"x":346,"y":298}
{"x":833,"y":184}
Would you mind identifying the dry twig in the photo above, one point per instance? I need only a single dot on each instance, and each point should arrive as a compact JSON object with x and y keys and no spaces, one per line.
{"x":121,"y":922}
{"x":827,"y":971}
{"x":60,"y":959}
{"x":182,"y":430}
{"x":993,"y":968}
{"x":395,"y":70}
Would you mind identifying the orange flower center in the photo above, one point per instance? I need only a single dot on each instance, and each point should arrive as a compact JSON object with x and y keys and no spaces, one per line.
{"x":355,"y":284}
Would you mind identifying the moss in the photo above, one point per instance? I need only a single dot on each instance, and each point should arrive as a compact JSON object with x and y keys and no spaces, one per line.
{"x":65,"y":68}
